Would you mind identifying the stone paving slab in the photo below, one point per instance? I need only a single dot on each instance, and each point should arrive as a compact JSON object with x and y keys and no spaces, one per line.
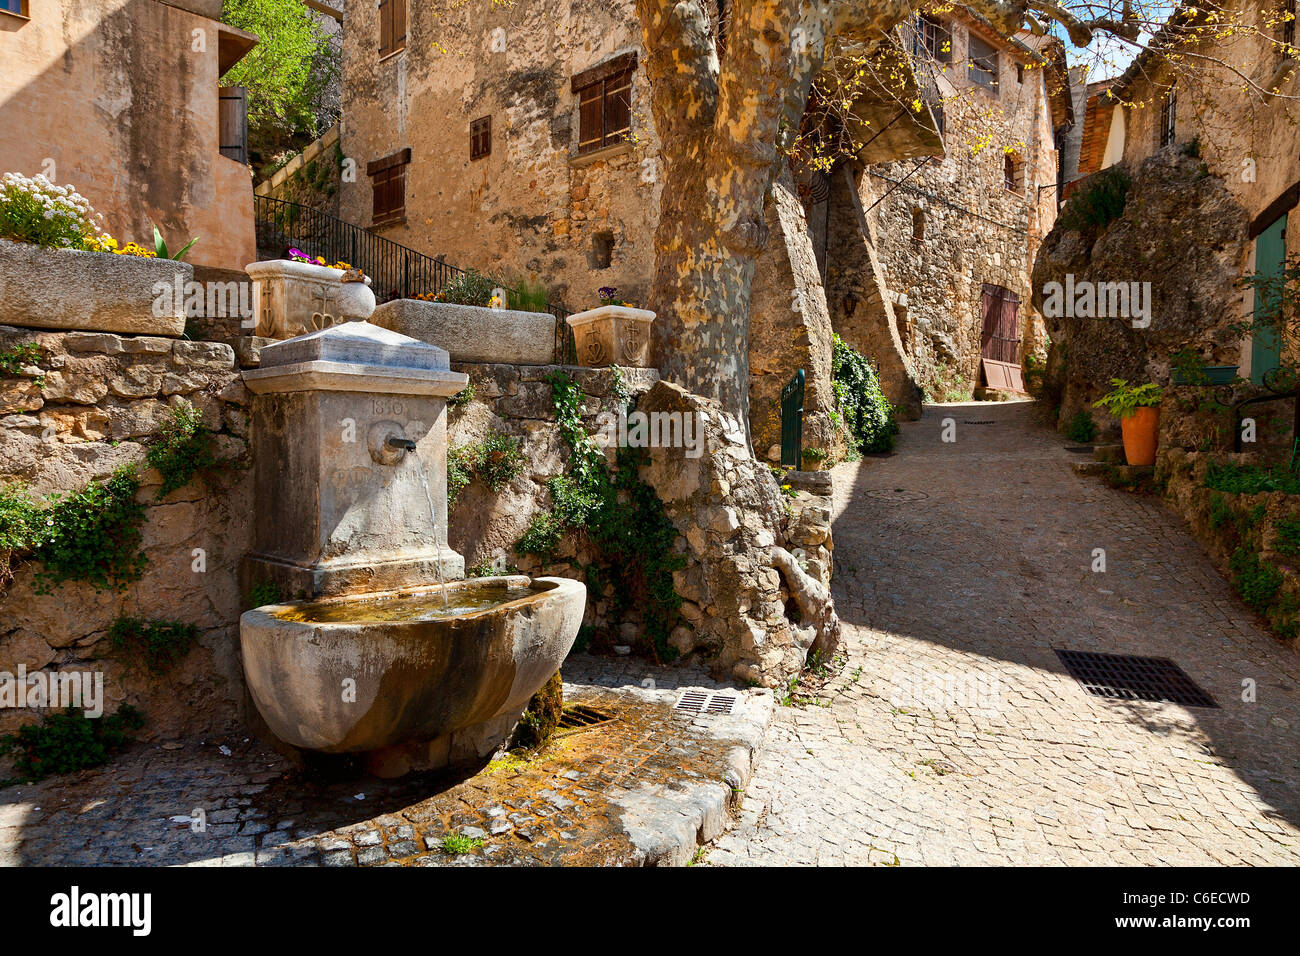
{"x":646,"y":788}
{"x":952,"y":735}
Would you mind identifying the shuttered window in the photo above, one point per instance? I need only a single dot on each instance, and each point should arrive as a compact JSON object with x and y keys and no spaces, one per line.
{"x":933,"y":39}
{"x":480,"y":138}
{"x":232,"y":122}
{"x":983,"y":64}
{"x":388,"y":185}
{"x":392,"y":26}
{"x":605,"y":103}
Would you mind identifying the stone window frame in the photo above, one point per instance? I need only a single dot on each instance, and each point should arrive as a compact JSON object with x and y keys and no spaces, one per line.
{"x":392,"y":19}
{"x":388,"y":187}
{"x":480,"y":137}
{"x":982,"y":69}
{"x":1013,"y":172}
{"x":608,"y":84}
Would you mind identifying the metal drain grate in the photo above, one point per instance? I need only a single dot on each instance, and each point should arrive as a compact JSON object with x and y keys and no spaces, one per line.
{"x":895,"y":494}
{"x":1125,"y":677}
{"x":581,"y":717}
{"x":700,"y":702}
{"x":985,"y":421}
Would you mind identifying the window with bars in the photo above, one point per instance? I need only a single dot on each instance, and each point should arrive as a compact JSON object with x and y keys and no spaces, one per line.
{"x":480,"y":137}
{"x":392,"y":26}
{"x":933,"y":39}
{"x":983,"y":64}
{"x":1168,"y":118}
{"x":1012,"y":172}
{"x":605,"y":103}
{"x":388,"y":185}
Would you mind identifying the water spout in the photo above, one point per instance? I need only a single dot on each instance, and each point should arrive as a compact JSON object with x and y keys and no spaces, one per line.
{"x":396,"y":441}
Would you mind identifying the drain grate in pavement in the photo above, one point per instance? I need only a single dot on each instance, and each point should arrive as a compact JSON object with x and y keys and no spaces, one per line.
{"x":984,"y":421}
{"x":896,"y":494}
{"x":700,"y":702}
{"x":581,"y":717}
{"x":1125,"y":677}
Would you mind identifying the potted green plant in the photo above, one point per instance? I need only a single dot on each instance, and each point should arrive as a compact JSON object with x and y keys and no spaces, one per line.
{"x":1138,"y":411}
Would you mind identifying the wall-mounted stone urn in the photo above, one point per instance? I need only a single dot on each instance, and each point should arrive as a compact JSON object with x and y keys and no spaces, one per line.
{"x":294,"y":298}
{"x":612,"y":335}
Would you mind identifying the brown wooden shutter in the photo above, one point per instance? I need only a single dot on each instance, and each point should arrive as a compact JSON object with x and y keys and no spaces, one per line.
{"x":233,"y":122}
{"x":591,"y":127}
{"x":399,"y":23}
{"x":385,"y":27}
{"x":618,"y":107}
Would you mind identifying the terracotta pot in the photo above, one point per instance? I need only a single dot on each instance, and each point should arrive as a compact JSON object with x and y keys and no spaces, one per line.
{"x":1140,"y":432}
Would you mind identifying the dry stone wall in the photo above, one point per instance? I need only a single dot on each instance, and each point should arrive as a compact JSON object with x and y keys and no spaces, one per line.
{"x":93,"y":402}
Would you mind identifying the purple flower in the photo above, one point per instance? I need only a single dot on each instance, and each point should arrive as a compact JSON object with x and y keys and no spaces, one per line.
{"x":606,"y":292}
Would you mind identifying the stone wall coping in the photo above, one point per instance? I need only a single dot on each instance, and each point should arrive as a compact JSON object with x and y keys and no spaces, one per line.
{"x":326,"y":376}
{"x":275,"y":268}
{"x":609,"y":312}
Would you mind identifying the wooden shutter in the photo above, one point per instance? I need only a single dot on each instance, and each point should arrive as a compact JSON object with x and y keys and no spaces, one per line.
{"x":480,"y":138}
{"x":618,"y":107}
{"x":399,"y":23}
{"x":591,"y":125}
{"x":388,"y":186}
{"x":385,"y":27}
{"x":233,"y":122}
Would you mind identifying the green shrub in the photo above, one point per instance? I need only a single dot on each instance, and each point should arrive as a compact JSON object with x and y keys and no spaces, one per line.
{"x":69,"y":741}
{"x":528,"y":297}
{"x":13,"y":359}
{"x":91,"y":535}
{"x":861,"y":404}
{"x":1288,"y":537}
{"x":1081,"y":428}
{"x":1256,"y":581}
{"x":160,"y":644}
{"x":462,"y":398}
{"x":1099,"y":201}
{"x":263,"y":593}
{"x":470,"y":287}
{"x":497,"y":460}
{"x":182,"y":448}
{"x":39,"y":212}
{"x":1251,"y":479}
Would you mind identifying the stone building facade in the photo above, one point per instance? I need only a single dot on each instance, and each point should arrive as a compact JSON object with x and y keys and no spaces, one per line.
{"x":1245,"y":133}
{"x":122,"y":98}
{"x":947,"y":239}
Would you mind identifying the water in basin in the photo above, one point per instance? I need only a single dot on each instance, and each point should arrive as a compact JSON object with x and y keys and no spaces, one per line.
{"x":430,"y":605}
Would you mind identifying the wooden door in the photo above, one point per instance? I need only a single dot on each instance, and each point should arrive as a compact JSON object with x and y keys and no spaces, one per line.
{"x":1000,"y":339}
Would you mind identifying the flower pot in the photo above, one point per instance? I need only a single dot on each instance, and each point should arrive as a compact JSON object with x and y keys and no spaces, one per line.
{"x":94,"y":291}
{"x":612,"y":335}
{"x":293,"y":298}
{"x":1141,"y":430}
{"x":471,"y":333}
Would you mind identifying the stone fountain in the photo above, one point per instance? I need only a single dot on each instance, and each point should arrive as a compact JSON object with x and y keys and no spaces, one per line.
{"x":384,"y":649}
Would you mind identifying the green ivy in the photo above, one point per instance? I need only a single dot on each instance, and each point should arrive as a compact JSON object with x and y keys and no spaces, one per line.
{"x":182,"y":448}
{"x":14,"y":359}
{"x":860,"y":402}
{"x":69,"y":741}
{"x":497,"y":460}
{"x":1288,"y":537}
{"x":622,"y":517}
{"x":160,"y":644}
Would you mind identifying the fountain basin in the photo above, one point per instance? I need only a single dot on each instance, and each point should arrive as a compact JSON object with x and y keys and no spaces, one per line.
{"x":372,"y":671}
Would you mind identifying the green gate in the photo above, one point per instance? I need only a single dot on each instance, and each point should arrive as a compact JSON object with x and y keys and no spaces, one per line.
{"x":792,"y":422}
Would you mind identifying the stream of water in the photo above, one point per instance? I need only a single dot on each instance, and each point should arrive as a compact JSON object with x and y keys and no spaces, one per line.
{"x":433,"y":516}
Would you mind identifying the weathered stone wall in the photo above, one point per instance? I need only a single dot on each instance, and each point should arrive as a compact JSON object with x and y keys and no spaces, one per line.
{"x":1181,"y":231}
{"x":726,"y":504}
{"x":115,"y":96}
{"x":952,"y":226}
{"x":102,"y":400}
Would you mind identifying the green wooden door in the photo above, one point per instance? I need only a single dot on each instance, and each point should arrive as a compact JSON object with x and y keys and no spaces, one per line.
{"x":1266,"y":347}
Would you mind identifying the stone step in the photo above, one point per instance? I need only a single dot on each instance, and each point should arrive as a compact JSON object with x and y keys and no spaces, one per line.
{"x":1089,"y":467}
{"x":1113,"y":454}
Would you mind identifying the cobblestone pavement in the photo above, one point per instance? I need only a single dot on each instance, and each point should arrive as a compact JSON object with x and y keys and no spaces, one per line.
{"x":645,"y":788}
{"x":970,"y":562}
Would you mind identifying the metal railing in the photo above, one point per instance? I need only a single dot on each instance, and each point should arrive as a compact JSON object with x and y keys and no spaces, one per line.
{"x":396,"y":271}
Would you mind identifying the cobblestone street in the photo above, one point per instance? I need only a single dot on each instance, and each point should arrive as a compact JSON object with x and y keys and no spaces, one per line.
{"x":970,"y":561}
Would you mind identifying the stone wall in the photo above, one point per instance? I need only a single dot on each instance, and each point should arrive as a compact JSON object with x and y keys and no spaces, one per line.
{"x":92,"y":403}
{"x":726,"y":505}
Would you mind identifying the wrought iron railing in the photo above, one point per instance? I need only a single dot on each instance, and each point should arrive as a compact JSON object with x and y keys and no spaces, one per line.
{"x":396,"y":271}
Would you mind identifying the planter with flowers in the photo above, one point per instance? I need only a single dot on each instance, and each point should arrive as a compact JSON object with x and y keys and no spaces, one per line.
{"x":613,"y":334}
{"x":1138,"y":409}
{"x":59,"y":270}
{"x":304,"y":294}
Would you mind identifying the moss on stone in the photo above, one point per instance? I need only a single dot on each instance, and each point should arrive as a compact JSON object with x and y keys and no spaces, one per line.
{"x":542,"y":716}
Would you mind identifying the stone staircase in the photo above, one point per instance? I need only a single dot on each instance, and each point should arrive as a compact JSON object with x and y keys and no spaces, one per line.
{"x":1108,"y":460}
